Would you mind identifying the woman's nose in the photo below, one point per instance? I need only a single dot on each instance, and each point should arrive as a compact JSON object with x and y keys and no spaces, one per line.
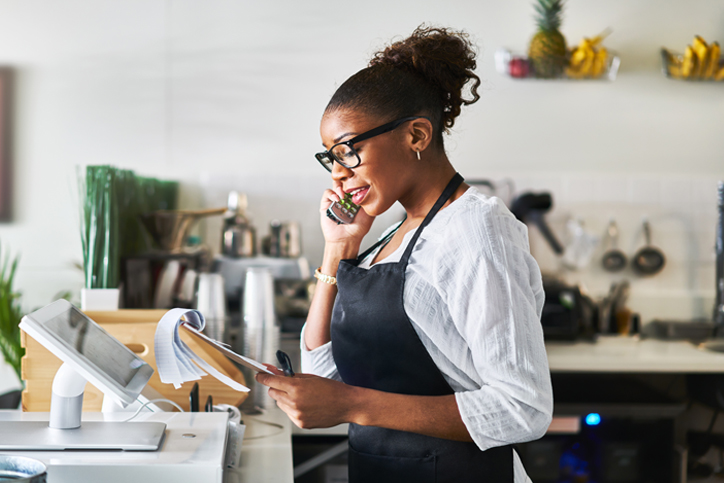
{"x":340,"y":173}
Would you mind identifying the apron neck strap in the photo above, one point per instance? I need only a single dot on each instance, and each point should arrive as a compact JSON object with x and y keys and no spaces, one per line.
{"x":381,"y":242}
{"x":453,"y":185}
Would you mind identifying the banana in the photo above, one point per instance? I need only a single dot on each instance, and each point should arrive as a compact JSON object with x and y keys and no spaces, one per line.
{"x":590,"y":55}
{"x":719,"y":75}
{"x":574,"y":72}
{"x":688,"y":66}
{"x":588,"y":59}
{"x":702,"y":56}
{"x":713,"y":63}
{"x":574,"y":67}
{"x":578,"y":56}
{"x":675,"y":71}
{"x":599,"y":62}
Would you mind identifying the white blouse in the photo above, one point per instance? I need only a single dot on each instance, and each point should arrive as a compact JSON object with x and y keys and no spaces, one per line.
{"x":474,"y":295}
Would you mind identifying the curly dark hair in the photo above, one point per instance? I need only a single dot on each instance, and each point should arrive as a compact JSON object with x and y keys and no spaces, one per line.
{"x":424,"y":74}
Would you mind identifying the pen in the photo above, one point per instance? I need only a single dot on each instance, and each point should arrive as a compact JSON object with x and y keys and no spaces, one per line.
{"x":194,"y":399}
{"x":286,"y":363}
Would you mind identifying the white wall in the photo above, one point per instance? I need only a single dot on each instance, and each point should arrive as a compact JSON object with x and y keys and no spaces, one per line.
{"x":228,"y":94}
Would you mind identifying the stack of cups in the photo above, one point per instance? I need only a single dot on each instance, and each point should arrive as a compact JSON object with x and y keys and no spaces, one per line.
{"x":211,"y":302}
{"x":261,"y":331}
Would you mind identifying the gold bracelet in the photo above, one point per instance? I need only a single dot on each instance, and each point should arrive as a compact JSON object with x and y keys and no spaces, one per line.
{"x":325,"y":278}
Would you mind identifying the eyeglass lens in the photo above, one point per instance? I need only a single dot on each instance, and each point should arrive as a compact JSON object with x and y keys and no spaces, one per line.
{"x":345,"y":155}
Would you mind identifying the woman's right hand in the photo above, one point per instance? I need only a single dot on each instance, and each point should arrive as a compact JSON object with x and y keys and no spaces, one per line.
{"x":344,"y":234}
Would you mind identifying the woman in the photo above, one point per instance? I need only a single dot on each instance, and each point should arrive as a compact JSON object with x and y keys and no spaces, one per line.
{"x":429,"y":344}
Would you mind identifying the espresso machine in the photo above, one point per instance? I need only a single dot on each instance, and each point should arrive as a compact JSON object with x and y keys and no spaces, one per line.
{"x":280,"y":254}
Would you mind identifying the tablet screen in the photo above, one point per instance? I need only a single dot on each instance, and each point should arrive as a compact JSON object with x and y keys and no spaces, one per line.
{"x":96,"y":345}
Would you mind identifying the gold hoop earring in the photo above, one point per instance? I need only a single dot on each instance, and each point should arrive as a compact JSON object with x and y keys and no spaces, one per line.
{"x":418,"y":155}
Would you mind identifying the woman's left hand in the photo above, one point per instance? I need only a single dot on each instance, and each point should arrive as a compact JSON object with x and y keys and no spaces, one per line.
{"x":310,"y":401}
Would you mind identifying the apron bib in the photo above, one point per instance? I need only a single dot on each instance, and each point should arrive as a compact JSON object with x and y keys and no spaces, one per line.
{"x":375,"y":346}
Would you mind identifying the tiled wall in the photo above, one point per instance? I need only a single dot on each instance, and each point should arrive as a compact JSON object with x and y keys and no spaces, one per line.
{"x":682,"y":214}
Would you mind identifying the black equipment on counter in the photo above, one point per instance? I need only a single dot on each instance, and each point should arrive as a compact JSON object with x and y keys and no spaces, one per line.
{"x":567,"y":313}
{"x":719,"y":303}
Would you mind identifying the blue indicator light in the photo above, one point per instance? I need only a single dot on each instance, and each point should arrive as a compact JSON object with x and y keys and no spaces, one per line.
{"x":593,"y":419}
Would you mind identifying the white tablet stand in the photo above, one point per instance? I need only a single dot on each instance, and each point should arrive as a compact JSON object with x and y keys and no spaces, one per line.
{"x":64,"y":430}
{"x":66,"y":402}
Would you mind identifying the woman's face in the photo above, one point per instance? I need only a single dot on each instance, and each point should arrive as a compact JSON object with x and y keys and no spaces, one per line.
{"x":385,"y":169}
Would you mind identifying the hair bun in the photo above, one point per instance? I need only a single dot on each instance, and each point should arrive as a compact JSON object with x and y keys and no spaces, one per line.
{"x":444,"y":58}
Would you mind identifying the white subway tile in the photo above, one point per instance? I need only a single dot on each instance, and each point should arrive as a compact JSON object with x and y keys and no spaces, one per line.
{"x":580,"y":189}
{"x":676,"y":193}
{"x":611,"y":189}
{"x":644,"y":190}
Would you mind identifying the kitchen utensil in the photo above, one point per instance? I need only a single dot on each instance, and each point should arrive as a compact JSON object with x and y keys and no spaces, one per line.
{"x":580,"y":246}
{"x":533,"y":207}
{"x":169,"y":228}
{"x":614,"y":260}
{"x":238,"y":237}
{"x":285,"y":239}
{"x":649,"y":260}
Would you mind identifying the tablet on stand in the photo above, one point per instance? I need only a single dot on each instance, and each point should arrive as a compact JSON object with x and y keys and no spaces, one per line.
{"x":89,"y":354}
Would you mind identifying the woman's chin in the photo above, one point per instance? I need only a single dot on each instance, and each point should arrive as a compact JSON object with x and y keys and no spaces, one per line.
{"x":373,"y":209}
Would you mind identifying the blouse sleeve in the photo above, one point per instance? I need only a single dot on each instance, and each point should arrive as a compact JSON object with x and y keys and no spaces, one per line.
{"x":319,"y":361}
{"x":493,"y":290}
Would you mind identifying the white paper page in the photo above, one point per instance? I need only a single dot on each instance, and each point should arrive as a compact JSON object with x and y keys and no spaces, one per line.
{"x":175,"y":361}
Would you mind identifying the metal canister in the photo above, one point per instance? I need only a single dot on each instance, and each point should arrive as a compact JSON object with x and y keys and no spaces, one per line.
{"x":285,"y":239}
{"x":238,"y":238}
{"x":22,"y":469}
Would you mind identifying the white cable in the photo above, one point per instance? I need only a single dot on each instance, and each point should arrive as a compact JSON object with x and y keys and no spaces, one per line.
{"x":138,"y":411}
{"x":268,"y":423}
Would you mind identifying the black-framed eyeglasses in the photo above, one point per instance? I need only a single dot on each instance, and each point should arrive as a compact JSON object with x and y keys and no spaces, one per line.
{"x":345,"y":154}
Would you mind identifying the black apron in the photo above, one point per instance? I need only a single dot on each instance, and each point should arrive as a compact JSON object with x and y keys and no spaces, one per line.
{"x":375,"y":346}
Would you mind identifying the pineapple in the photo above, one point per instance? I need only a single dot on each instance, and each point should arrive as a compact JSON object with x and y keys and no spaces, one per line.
{"x":547,"y":50}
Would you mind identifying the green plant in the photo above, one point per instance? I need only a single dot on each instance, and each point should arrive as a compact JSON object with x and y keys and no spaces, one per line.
{"x":111,"y":201}
{"x":99,"y":227}
{"x":10,"y":313}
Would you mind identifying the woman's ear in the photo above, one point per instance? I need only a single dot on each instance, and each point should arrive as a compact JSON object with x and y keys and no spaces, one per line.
{"x":420,"y":131}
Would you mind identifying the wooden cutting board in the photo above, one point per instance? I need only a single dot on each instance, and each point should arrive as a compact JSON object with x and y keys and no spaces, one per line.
{"x":135,"y":329}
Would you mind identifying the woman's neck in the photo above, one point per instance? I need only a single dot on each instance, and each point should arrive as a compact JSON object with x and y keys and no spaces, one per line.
{"x":425,"y":188}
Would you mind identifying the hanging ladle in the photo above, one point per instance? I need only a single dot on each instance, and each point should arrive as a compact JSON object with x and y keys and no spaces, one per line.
{"x":649,"y":260}
{"x":614,"y":260}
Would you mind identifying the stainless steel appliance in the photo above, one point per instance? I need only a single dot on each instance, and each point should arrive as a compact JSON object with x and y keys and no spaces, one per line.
{"x":284,"y":240}
{"x":238,"y":236}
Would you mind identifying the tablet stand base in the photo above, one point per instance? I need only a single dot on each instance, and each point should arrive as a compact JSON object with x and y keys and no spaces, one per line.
{"x":91,"y":435}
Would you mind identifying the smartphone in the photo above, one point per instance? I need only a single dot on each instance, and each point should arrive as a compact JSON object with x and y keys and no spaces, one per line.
{"x":343,"y":211}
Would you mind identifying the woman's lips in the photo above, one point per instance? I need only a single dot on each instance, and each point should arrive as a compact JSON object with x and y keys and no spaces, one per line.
{"x":359,"y":195}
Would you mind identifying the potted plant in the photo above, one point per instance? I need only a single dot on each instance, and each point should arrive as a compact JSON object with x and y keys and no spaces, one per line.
{"x":99,"y":237}
{"x":10,"y":315}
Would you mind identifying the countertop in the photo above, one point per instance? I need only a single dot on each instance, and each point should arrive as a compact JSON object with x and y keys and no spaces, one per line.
{"x":266,"y":454}
{"x":631,"y":354}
